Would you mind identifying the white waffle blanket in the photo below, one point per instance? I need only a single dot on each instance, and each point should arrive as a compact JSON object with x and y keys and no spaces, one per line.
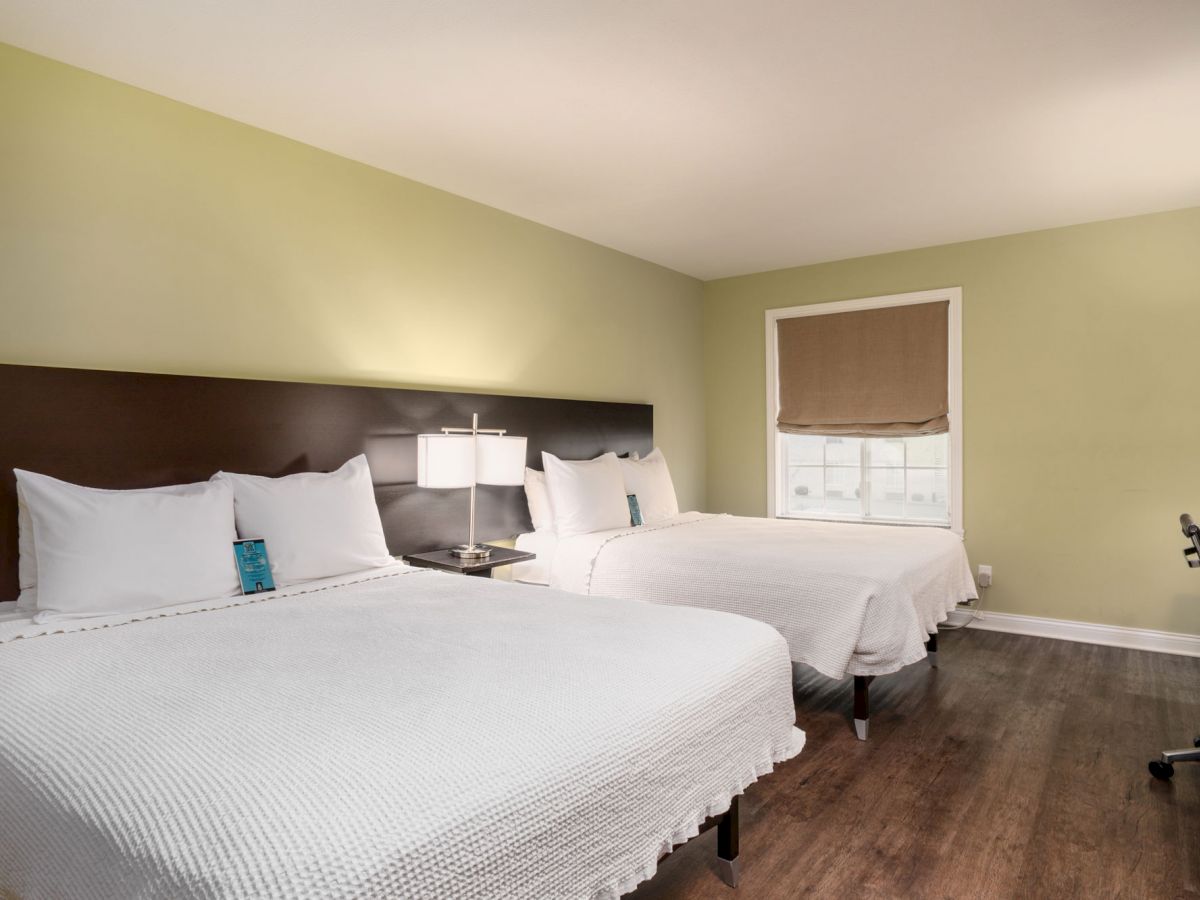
{"x":849,"y":599}
{"x":413,"y":734}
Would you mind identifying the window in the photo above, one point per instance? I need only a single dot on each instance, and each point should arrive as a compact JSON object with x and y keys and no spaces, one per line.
{"x":901,"y":479}
{"x":885,"y":478}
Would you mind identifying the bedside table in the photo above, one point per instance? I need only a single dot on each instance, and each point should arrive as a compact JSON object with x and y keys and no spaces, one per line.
{"x":445,"y":561}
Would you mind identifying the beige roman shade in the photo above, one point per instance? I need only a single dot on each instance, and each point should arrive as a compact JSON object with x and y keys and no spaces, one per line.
{"x":871,"y":372}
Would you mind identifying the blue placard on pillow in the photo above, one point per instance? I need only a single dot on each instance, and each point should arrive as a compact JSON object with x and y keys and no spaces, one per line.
{"x":635,"y":511}
{"x":254,"y":569}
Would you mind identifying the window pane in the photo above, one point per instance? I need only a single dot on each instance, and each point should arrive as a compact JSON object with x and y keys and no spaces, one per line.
{"x":906,"y":477}
{"x":805,"y":449}
{"x":887,"y":493}
{"x":929,"y":450}
{"x":887,"y":451}
{"x":842,"y":481}
{"x":842,"y":495}
{"x":843,"y":451}
{"x":806,"y":489}
{"x":927,"y":495}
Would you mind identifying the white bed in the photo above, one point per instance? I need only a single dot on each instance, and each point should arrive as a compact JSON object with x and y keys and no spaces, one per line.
{"x":849,"y":599}
{"x":397,"y":733}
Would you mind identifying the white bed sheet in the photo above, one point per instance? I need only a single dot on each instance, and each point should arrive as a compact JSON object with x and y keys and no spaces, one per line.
{"x":398,"y":733}
{"x":849,"y":599}
{"x":537,"y":571}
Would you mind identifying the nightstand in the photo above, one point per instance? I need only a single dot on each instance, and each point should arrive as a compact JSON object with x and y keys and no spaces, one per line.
{"x":445,"y":561}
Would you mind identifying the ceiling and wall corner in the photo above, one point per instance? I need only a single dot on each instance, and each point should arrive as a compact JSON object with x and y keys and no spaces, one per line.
{"x":713,"y":138}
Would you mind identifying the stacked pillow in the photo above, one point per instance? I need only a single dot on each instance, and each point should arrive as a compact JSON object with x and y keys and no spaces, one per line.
{"x":87,"y":551}
{"x":582,"y":496}
{"x":649,"y":480}
{"x":315,"y":524}
{"x":538,"y":495}
{"x":586,"y":496}
{"x":95,"y":551}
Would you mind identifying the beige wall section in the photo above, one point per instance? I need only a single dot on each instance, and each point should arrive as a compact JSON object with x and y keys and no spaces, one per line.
{"x":1081,"y":354}
{"x":143,"y":234}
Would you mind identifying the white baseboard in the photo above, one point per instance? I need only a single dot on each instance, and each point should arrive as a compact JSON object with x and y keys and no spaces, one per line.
{"x":1082,"y":632}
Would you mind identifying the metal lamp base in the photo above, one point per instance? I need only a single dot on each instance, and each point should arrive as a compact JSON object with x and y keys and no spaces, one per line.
{"x":471,"y":551}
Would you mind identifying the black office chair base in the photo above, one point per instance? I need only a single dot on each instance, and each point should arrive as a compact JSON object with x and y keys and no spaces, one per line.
{"x":1164,"y":767}
{"x":1161,"y":770}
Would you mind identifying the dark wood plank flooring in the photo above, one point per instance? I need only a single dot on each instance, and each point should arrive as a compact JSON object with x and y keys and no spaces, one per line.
{"x":1017,"y":769}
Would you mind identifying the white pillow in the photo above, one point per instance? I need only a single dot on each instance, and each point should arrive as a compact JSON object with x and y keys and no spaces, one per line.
{"x":315,"y":524}
{"x":650,"y":479}
{"x":100,"y":552}
{"x":586,"y":496}
{"x":538,"y":496}
{"x":26,"y":556}
{"x":27,"y":546}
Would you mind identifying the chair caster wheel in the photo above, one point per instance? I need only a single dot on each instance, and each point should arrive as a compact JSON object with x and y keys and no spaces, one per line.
{"x":1161,"y":770}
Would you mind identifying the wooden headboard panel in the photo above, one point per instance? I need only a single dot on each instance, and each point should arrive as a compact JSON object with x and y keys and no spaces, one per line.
{"x":128,"y":430}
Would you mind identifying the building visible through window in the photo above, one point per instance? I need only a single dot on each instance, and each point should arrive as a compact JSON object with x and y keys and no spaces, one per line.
{"x":885,"y":479}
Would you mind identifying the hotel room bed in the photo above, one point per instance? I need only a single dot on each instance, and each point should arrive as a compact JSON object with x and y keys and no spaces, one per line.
{"x":850,"y":599}
{"x":394,"y":733}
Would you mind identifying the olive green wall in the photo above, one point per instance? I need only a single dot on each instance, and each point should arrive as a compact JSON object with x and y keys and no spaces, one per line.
{"x":142,"y":234}
{"x":1081,"y":393}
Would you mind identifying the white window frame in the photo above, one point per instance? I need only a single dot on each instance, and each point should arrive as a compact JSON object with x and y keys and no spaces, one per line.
{"x":954,"y":388}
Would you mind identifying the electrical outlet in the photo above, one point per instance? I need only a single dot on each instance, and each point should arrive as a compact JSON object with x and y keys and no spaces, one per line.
{"x":985,"y":576}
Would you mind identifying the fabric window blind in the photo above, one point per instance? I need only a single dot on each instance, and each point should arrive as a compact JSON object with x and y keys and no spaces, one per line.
{"x":867,"y":373}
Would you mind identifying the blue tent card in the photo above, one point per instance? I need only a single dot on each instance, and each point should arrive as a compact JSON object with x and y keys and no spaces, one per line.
{"x":635,"y":510}
{"x":254,"y":569}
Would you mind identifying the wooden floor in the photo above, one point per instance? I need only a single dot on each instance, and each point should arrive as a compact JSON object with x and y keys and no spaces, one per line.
{"x":1017,"y":769}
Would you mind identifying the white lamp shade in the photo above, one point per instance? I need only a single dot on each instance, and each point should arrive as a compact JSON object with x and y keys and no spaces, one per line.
{"x":445,"y":460}
{"x":500,"y":459}
{"x":455,"y":461}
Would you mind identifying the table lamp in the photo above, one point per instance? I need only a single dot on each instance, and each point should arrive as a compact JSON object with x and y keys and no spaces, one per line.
{"x":465,"y":457}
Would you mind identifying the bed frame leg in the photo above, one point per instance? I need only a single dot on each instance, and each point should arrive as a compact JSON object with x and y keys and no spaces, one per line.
{"x":727,"y":845}
{"x":931,"y":649}
{"x":862,"y":705}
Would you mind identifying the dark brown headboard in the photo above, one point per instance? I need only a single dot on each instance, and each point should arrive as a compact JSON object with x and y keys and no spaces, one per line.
{"x":127,"y":430}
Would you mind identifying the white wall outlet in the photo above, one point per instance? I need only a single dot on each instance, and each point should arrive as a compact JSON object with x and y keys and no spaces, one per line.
{"x":985,"y":576}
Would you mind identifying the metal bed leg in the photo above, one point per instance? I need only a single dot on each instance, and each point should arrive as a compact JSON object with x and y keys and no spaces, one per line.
{"x":727,"y":845}
{"x":862,"y":705}
{"x":931,"y":649}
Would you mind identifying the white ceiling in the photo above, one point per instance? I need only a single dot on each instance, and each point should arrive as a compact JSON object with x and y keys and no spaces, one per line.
{"x":710,"y":136}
